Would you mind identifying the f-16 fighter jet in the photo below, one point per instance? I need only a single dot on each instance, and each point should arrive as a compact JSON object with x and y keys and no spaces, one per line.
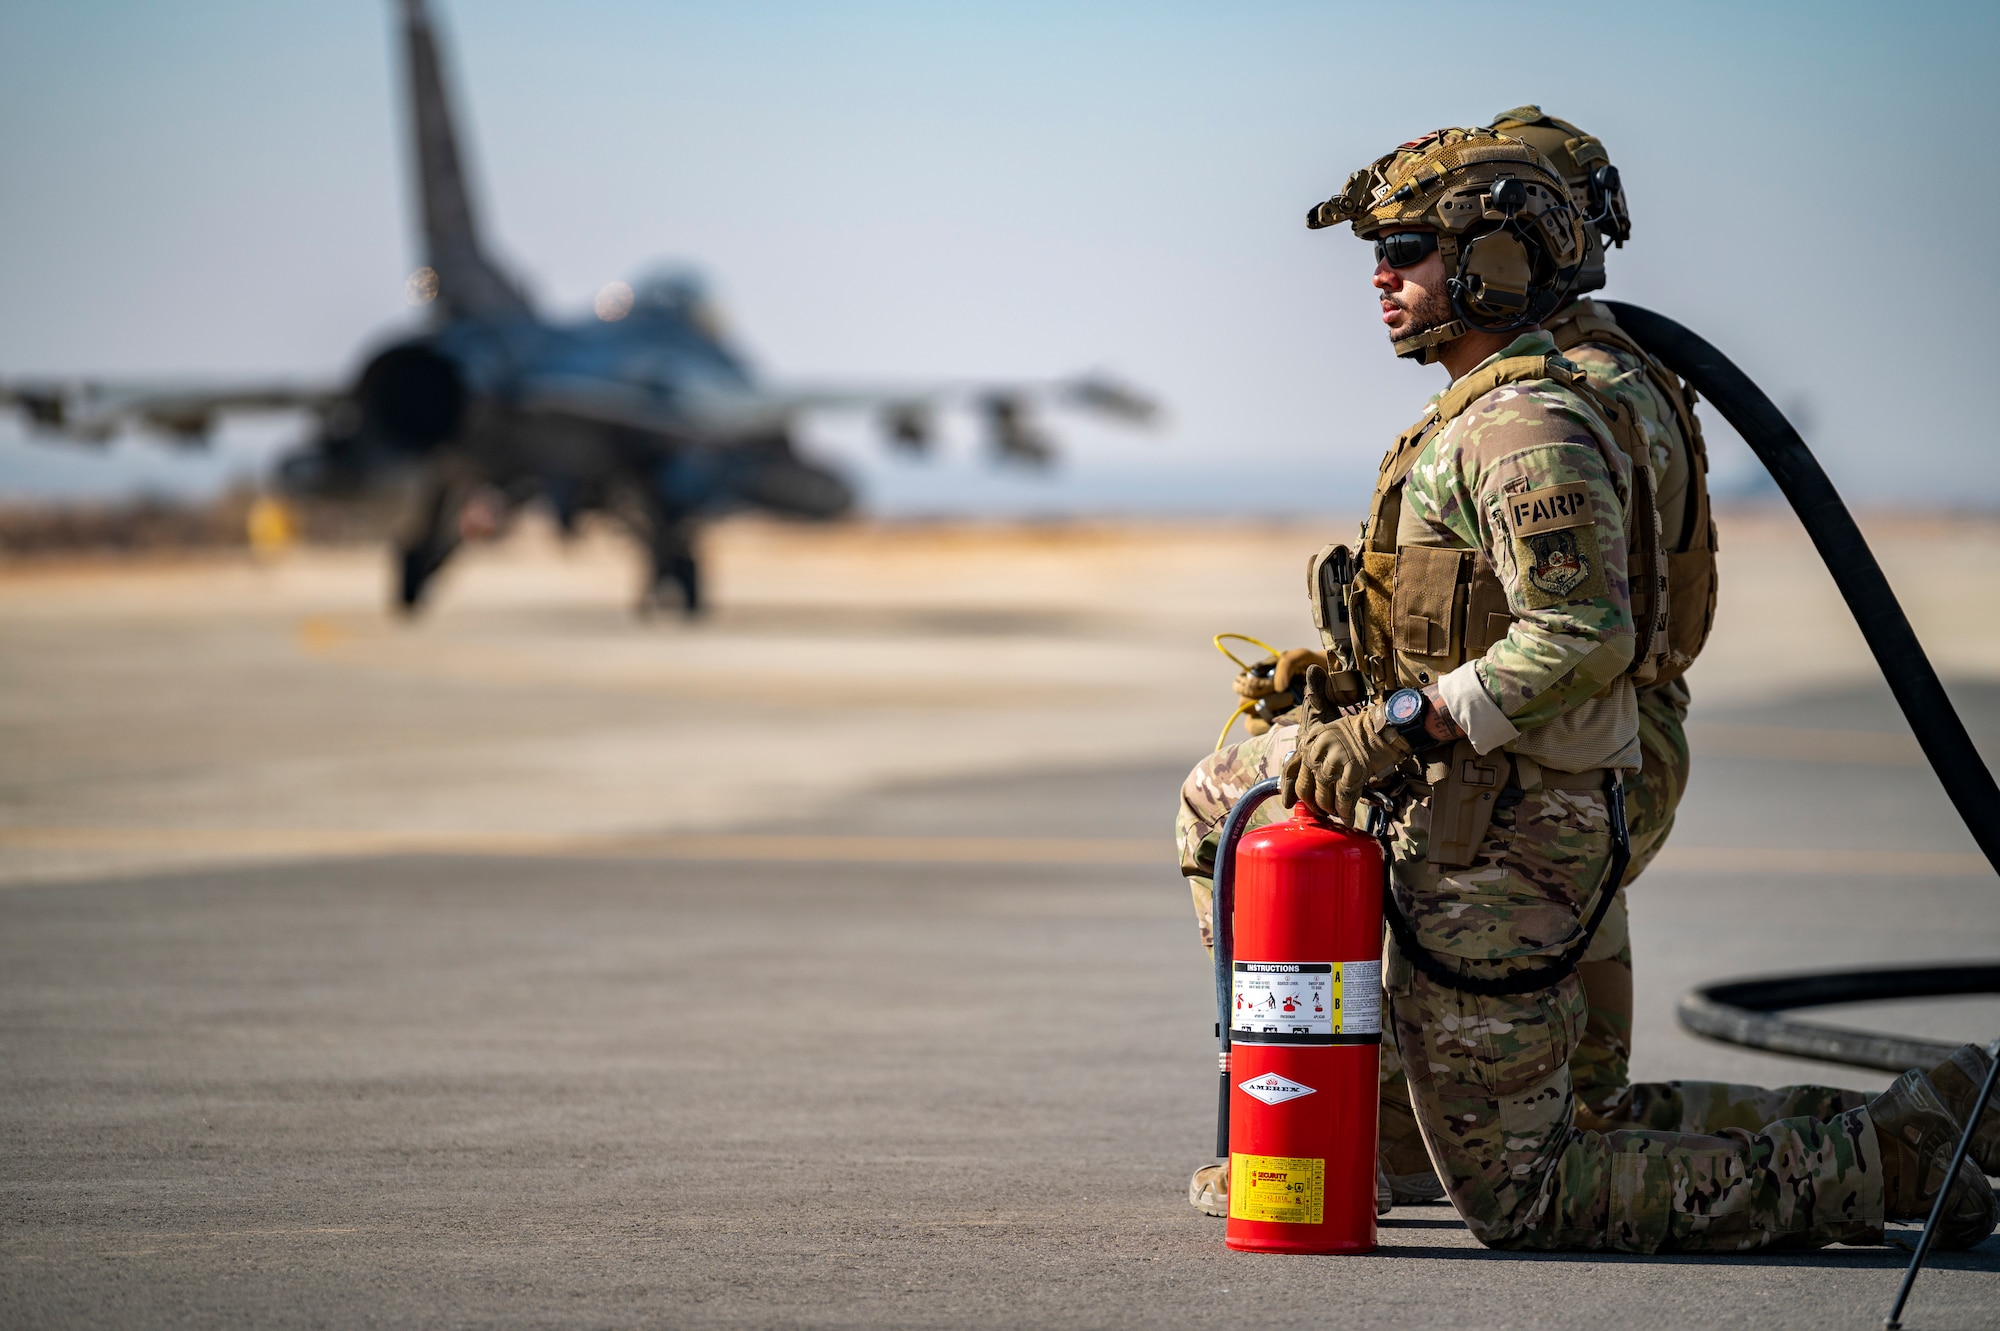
{"x":642,"y":410}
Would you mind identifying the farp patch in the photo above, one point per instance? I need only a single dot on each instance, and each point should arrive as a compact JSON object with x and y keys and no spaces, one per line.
{"x":1548,"y":508}
{"x":1560,"y":566}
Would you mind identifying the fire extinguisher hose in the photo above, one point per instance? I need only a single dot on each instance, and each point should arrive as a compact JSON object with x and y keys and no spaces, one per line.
{"x":1224,"y":929}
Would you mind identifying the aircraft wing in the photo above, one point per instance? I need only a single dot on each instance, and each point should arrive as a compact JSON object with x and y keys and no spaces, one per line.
{"x":92,"y":410}
{"x":908,"y":415}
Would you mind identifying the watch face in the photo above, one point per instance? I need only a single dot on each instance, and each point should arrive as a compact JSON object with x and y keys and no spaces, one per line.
{"x":1404,"y":706}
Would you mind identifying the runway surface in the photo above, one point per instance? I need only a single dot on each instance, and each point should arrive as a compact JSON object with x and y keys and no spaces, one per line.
{"x":921,"y":1053}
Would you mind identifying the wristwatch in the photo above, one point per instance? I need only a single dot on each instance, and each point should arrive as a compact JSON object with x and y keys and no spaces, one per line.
{"x":1406,"y":710}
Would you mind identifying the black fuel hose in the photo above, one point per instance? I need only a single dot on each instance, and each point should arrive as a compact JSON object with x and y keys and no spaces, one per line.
{"x":1847,"y":557}
{"x":1740,"y":1012}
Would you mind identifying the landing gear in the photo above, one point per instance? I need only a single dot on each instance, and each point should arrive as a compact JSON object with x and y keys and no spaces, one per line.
{"x":673,"y":576}
{"x":434,"y":537}
{"x":676,"y":578}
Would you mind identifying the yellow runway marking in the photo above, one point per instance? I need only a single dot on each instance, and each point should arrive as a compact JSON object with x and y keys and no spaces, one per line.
{"x":320,"y":843}
{"x":313,"y":843}
{"x":320,"y":634}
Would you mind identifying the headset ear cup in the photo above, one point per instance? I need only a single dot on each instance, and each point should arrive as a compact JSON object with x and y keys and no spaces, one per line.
{"x":1496,"y":276}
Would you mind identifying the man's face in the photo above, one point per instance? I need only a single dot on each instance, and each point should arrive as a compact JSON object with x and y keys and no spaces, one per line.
{"x":1413,"y":299}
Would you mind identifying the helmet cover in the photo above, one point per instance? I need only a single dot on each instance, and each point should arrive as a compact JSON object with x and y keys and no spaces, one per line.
{"x":1508,"y":231}
{"x":1593,"y":182}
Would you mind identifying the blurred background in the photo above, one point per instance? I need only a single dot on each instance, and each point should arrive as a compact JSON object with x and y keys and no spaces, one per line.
{"x":220,"y":188}
{"x":825,"y":961}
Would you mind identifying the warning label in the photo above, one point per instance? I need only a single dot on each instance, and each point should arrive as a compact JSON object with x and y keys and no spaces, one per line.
{"x":1360,"y":993}
{"x":1280,"y":1189}
{"x":1307,"y":1002}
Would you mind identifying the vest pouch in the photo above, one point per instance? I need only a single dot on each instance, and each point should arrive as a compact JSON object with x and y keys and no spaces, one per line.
{"x":1428,"y":614}
{"x":1369,"y":606}
{"x":1329,"y":574}
{"x":1691,"y":586}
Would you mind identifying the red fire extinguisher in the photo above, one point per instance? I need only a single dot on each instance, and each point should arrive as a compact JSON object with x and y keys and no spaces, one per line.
{"x":1298,"y":964}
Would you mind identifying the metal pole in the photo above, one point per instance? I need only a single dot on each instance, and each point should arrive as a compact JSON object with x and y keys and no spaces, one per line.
{"x":1894,"y":1322}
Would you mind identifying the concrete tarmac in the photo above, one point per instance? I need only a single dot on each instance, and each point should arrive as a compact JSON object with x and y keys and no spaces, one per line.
{"x":926,"y":1053}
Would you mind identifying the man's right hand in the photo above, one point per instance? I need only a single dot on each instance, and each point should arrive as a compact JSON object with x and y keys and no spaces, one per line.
{"x":1319,"y":707}
{"x":1340,"y":751}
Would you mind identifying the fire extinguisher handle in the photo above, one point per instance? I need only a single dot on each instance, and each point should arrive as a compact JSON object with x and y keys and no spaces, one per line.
{"x":1223,"y":927}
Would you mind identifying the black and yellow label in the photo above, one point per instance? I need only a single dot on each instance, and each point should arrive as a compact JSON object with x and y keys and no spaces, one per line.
{"x":1278,"y":1189}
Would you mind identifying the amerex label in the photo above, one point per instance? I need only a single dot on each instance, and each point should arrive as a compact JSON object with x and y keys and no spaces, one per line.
{"x":1273,"y":1089}
{"x":1279,"y":1189}
{"x":1307,"y":1002}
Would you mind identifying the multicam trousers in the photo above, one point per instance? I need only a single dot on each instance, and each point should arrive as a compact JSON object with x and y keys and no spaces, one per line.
{"x":1489,"y":1078}
{"x":1490,"y":1087}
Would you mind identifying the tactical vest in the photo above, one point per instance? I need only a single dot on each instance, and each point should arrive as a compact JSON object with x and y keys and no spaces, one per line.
{"x":1690,"y":548}
{"x":1420,"y":611}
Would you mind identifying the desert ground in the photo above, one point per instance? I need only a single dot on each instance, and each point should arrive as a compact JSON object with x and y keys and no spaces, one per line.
{"x":820,"y":963}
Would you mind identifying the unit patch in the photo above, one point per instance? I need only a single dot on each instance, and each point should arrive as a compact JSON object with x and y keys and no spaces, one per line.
{"x":1558,"y":567}
{"x":1549,"y":508}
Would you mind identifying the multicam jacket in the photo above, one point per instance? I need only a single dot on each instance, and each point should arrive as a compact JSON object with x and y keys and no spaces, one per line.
{"x":1528,"y":478}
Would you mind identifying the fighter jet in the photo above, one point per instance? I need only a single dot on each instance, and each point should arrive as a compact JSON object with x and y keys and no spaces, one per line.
{"x":642,"y":410}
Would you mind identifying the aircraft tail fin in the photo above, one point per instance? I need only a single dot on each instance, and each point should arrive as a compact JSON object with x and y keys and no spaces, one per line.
{"x":467,"y":281}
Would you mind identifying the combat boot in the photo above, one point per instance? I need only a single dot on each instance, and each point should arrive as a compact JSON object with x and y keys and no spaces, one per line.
{"x":1918,"y":1134}
{"x":1423,"y":1189}
{"x":1958,"y":1080}
{"x":1208,"y":1191}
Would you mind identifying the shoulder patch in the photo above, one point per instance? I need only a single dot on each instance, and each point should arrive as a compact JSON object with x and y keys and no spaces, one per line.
{"x":1559,"y":566}
{"x":1548,"y":508}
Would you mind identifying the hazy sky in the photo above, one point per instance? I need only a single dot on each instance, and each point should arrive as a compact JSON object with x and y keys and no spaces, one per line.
{"x":218,"y":187}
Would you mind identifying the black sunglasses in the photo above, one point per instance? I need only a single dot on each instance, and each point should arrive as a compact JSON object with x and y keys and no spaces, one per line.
{"x":1405,"y":248}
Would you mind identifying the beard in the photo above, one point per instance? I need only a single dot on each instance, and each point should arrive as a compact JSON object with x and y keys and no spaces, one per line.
{"x":1433,"y":311}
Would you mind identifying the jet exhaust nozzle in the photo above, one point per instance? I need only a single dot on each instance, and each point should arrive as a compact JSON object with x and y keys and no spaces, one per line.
{"x":413,"y":397}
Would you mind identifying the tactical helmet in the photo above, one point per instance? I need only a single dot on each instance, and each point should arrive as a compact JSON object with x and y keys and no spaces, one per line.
{"x":1592,"y":179}
{"x":1509,"y":234}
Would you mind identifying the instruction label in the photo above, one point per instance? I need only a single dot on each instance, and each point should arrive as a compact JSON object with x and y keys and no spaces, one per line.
{"x":1307,"y":1002}
{"x":1279,"y":1189}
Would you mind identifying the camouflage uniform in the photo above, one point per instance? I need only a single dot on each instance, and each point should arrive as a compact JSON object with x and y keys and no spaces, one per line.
{"x":1489,"y":1077}
{"x":1600,"y":1067}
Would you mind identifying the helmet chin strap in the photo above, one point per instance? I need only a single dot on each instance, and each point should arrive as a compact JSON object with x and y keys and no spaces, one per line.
{"x":1424,"y":348}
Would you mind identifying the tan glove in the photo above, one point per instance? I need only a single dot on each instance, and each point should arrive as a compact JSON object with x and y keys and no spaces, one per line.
{"x":1292,"y":665}
{"x":1338,"y":755}
{"x":1275,"y":686}
{"x":1342,"y":688}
